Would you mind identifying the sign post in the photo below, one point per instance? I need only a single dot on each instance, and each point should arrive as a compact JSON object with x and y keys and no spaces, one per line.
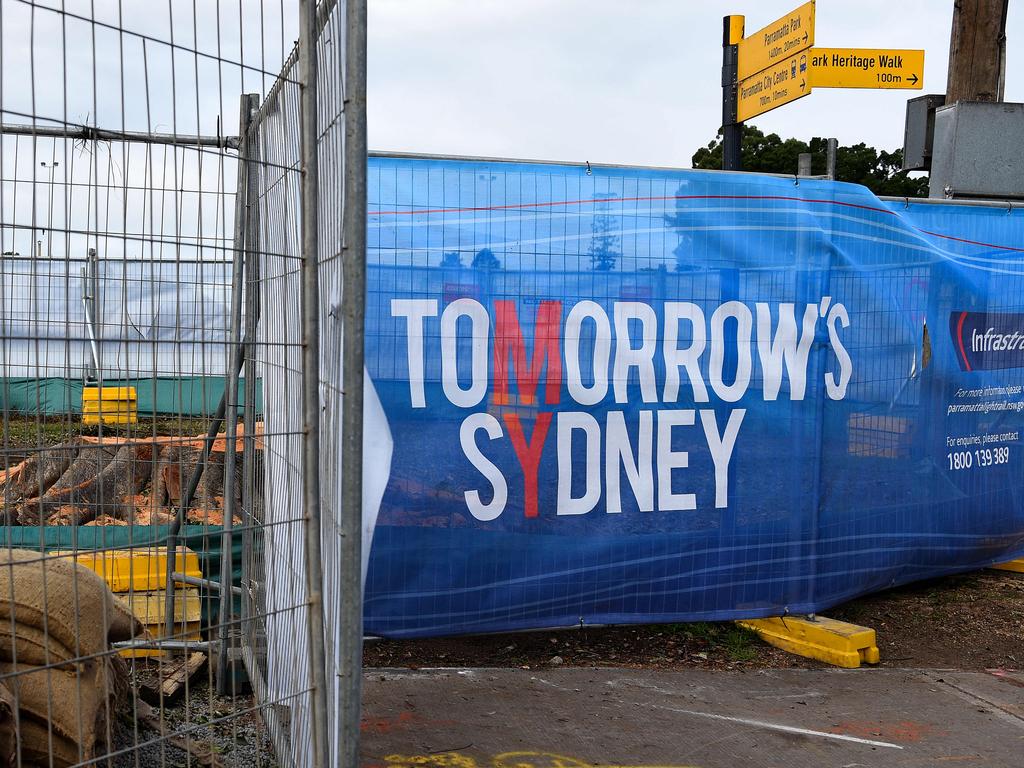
{"x":732,"y":130}
{"x":779,"y":64}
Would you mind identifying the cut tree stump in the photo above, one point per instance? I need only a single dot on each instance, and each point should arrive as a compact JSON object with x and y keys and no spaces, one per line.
{"x":37,"y":474}
{"x":89,"y":481}
{"x":100,"y":481}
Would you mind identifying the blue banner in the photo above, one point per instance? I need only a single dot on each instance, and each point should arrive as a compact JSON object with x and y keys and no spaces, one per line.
{"x":630,"y":395}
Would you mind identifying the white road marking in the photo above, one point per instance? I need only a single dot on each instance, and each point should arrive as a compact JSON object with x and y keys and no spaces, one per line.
{"x":780,"y":727}
{"x":752,"y":723}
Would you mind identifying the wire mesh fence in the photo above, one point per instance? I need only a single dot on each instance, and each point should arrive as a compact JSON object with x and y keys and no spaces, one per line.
{"x":170,"y":358}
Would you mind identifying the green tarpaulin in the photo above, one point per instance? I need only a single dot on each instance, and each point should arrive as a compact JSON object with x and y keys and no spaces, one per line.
{"x":190,"y":396}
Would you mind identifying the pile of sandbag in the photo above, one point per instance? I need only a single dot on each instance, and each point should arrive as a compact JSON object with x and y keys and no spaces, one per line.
{"x":57,"y":672}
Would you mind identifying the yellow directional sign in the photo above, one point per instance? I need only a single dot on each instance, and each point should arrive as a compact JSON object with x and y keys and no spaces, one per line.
{"x":780,"y":40}
{"x":867,"y":68}
{"x":780,"y":84}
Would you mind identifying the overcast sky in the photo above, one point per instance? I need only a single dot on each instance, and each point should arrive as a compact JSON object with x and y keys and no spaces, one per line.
{"x":622,"y":82}
{"x":607,"y":81}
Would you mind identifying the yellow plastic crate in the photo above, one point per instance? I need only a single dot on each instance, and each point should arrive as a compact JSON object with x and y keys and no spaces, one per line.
{"x":136,"y":570}
{"x":109,"y":405}
{"x":148,"y":607}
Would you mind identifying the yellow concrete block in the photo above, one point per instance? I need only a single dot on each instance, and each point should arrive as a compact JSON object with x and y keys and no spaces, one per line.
{"x":139,"y":570}
{"x":109,"y":405}
{"x":824,"y":639}
{"x":1016,"y":566}
{"x":95,"y":394}
{"x":149,"y":606}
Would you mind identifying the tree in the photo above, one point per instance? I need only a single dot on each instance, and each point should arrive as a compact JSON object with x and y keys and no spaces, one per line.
{"x":451,"y":259}
{"x":485,"y":259}
{"x":604,"y":243}
{"x":879,"y":171}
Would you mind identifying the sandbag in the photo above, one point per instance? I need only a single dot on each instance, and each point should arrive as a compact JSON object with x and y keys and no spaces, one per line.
{"x":78,"y":705}
{"x":67,"y":602}
{"x":28,"y":645}
{"x":39,"y":746}
{"x":8,"y":735}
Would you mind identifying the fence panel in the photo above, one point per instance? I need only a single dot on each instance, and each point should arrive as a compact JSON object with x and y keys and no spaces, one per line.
{"x":131,"y":491}
{"x":636,"y":395}
{"x":284,"y":248}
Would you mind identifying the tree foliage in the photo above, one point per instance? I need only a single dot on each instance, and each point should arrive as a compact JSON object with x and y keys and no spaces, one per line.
{"x":485,"y":259}
{"x":879,"y":171}
{"x":605,"y":244}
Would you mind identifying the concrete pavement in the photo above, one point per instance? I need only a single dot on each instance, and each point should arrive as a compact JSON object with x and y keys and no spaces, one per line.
{"x":568,"y":717}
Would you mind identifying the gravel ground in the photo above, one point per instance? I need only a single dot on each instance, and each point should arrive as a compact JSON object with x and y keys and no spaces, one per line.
{"x":227,"y":728}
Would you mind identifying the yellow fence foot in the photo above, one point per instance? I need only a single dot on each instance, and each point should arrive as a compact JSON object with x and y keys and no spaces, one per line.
{"x":1014,"y":565}
{"x":834,"y":642}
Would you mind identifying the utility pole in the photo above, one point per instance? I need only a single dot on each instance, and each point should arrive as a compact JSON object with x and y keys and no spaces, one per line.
{"x":977,"y":51}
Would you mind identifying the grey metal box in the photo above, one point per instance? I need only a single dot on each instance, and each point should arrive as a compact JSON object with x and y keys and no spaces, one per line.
{"x":978,"y":151}
{"x":918,"y":132}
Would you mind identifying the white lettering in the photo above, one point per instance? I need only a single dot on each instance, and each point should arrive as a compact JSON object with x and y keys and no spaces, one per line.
{"x":639,"y":469}
{"x":627,"y":356}
{"x":414,"y":310}
{"x":688,"y":357}
{"x":467,"y":436}
{"x":669,"y":459}
{"x":741,"y":313}
{"x":569,"y":422}
{"x":784,"y":351}
{"x":721,"y":448}
{"x":837,"y":389}
{"x":480,"y":323}
{"x":595,"y":393}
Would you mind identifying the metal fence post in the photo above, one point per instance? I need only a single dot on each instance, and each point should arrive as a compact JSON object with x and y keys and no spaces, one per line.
{"x":310,"y":324}
{"x":354,"y":288}
{"x":249,"y":417}
{"x":246,"y":105}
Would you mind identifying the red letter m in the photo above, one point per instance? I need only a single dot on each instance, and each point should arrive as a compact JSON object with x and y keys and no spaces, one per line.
{"x":508,"y":337}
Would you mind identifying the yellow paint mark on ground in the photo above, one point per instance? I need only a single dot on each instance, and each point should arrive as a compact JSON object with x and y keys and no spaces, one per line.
{"x":524,"y":759}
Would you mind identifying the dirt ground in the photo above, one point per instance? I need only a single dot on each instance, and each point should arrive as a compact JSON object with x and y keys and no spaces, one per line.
{"x":970,"y":621}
